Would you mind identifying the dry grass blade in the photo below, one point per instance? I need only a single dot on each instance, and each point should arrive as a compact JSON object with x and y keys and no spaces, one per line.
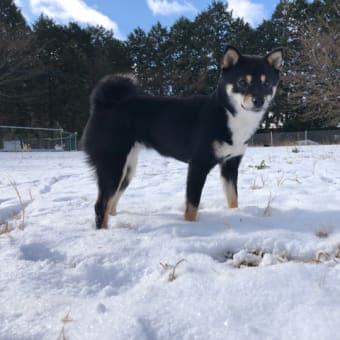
{"x":165,"y":266}
{"x":66,"y":319}
{"x":337,"y":253}
{"x":254,"y":186}
{"x":15,"y":187}
{"x":268,"y":209}
{"x":61,"y":335}
{"x":172,"y":276}
{"x":280,"y":179}
{"x":322,"y":233}
{"x":30,"y":193}
{"x":4,"y":228}
{"x":248,"y":264}
{"x":323,"y":256}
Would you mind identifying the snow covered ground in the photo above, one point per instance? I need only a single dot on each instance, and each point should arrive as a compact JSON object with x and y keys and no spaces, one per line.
{"x":267,"y":270}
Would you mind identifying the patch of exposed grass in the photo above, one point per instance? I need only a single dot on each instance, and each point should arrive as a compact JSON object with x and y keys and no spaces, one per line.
{"x":259,"y":257}
{"x":323,"y":232}
{"x":4,"y":228}
{"x":261,"y":166}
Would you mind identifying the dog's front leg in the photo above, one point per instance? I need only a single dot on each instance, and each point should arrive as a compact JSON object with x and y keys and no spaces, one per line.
{"x":197,"y":174}
{"x":229,"y":174}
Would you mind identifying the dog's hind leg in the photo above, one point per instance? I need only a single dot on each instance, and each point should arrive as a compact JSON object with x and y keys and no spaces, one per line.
{"x":229,"y":174}
{"x":109,"y":177}
{"x":128,"y":173}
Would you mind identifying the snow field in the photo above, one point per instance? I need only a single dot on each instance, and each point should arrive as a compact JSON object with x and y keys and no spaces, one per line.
{"x":267,"y":270}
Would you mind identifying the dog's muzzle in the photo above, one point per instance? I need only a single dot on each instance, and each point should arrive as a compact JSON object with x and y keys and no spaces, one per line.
{"x":258,"y":102}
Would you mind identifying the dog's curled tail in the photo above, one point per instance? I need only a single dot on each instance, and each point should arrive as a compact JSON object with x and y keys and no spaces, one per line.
{"x":113,"y":89}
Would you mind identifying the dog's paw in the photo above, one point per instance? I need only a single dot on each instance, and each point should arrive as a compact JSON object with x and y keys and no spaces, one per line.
{"x":190,"y":213}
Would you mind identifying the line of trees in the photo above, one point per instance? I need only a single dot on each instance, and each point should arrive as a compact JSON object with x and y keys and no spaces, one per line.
{"x":47,"y":70}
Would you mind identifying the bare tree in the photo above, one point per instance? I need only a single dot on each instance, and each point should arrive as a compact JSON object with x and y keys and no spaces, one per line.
{"x":18,"y":60}
{"x":315,"y":83}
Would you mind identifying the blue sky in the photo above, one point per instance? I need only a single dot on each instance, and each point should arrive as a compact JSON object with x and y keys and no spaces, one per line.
{"x":122,"y":16}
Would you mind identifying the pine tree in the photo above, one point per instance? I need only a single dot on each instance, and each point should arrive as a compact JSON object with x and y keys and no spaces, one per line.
{"x":282,"y":31}
{"x":149,"y":55}
{"x":158,"y":40}
{"x":19,"y":67}
{"x":138,"y":51}
{"x":188,"y":63}
{"x":11,"y":18}
{"x":75,"y":58}
{"x":197,"y":47}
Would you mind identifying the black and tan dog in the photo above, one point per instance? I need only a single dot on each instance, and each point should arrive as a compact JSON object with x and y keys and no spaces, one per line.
{"x":200,"y":130}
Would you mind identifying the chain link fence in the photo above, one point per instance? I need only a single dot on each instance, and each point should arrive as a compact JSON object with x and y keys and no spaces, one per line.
{"x":307,"y":137}
{"x":39,"y":139}
{"x":21,"y":138}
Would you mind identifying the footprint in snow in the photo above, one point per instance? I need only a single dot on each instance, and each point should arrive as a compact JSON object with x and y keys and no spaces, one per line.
{"x":327,"y":179}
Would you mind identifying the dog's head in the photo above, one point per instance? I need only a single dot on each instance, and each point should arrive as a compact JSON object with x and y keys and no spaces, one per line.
{"x":249,"y":82}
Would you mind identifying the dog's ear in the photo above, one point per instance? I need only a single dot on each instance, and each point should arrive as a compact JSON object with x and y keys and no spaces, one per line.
{"x":275,"y":59}
{"x":230,"y":57}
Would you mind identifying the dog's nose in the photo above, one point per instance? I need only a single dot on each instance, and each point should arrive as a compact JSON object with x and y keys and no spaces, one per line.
{"x":258,"y":101}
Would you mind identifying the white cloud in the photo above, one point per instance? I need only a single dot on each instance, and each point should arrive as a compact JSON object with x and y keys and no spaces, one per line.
{"x":21,"y":5}
{"x":165,"y":7}
{"x":251,"y":12}
{"x":73,"y":10}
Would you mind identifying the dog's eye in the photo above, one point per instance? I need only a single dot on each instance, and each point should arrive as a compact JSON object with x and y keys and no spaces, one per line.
{"x":242,"y":83}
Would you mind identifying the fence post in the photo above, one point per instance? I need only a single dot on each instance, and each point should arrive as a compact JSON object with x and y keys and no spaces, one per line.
{"x":75,"y":141}
{"x":271,"y":138}
{"x":61,"y":137}
{"x":306,"y":137}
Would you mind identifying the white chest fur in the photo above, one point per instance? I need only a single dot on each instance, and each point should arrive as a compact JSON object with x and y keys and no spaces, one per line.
{"x":242,"y":126}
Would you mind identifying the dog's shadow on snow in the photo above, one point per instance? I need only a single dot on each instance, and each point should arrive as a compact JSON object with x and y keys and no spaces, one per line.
{"x":242,"y":220}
